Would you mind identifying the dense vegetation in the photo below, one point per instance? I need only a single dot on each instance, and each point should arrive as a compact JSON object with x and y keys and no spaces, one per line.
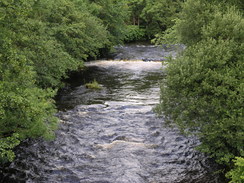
{"x":41,"y":41}
{"x":150,"y":17}
{"x":204,"y":88}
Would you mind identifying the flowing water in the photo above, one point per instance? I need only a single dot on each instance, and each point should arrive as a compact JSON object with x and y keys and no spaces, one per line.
{"x":112,"y":135}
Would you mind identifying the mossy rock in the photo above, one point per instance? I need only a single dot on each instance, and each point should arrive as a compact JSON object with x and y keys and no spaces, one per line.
{"x":93,"y":85}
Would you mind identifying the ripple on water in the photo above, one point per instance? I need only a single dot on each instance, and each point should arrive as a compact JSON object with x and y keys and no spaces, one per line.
{"x":116,"y":140}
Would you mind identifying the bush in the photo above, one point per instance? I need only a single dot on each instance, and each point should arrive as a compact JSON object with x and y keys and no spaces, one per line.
{"x":26,"y":111}
{"x":40,"y":42}
{"x":6,"y":146}
{"x":237,"y":174}
{"x":200,"y":20}
{"x":203,"y":91}
{"x":113,"y":14}
{"x":135,"y":33}
{"x":203,"y":94}
{"x":157,"y":15}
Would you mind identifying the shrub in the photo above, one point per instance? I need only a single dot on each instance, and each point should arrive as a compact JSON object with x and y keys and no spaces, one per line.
{"x":93,"y":85}
{"x":237,"y":174}
{"x":135,"y":33}
{"x":203,"y":91}
{"x":203,"y":94}
{"x":40,"y":42}
{"x":26,"y":111}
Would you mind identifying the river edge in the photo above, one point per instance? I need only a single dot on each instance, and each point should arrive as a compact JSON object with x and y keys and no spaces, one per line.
{"x":44,"y":143}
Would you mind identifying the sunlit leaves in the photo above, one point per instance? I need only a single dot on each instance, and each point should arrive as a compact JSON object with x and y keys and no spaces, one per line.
{"x":237,"y":174}
{"x":6,"y":146}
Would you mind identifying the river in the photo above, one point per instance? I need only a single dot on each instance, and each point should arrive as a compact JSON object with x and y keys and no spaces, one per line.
{"x":112,"y":135}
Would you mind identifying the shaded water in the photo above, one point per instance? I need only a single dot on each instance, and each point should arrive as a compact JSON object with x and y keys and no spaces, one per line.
{"x":112,"y":135}
{"x":146,"y":52}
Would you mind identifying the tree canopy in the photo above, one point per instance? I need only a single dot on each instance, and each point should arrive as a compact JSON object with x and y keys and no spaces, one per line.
{"x":41,"y":42}
{"x":203,"y":90}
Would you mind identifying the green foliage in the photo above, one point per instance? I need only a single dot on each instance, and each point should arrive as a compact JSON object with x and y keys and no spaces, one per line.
{"x":113,"y":15}
{"x":158,"y":15}
{"x":167,"y":37}
{"x":188,"y":28}
{"x":135,"y":33}
{"x":203,"y":94}
{"x":225,"y":24}
{"x":135,"y":9}
{"x":81,"y":33}
{"x":63,"y":34}
{"x":93,"y":85}
{"x":237,"y":174}
{"x":154,"y":16}
{"x":25,"y":109}
{"x":194,"y":16}
{"x":41,"y":41}
{"x":203,"y":91}
{"x":6,"y":146}
{"x":200,"y":19}
{"x":237,"y":3}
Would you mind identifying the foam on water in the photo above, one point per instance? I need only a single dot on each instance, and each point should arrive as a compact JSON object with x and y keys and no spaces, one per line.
{"x":112,"y":135}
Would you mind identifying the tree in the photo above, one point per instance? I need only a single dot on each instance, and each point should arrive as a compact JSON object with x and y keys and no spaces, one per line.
{"x":203,"y":91}
{"x":113,"y":15}
{"x":40,"y":42}
{"x":158,"y":15}
{"x":237,"y":174}
{"x":61,"y":35}
{"x":135,"y":8}
{"x":26,"y":111}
